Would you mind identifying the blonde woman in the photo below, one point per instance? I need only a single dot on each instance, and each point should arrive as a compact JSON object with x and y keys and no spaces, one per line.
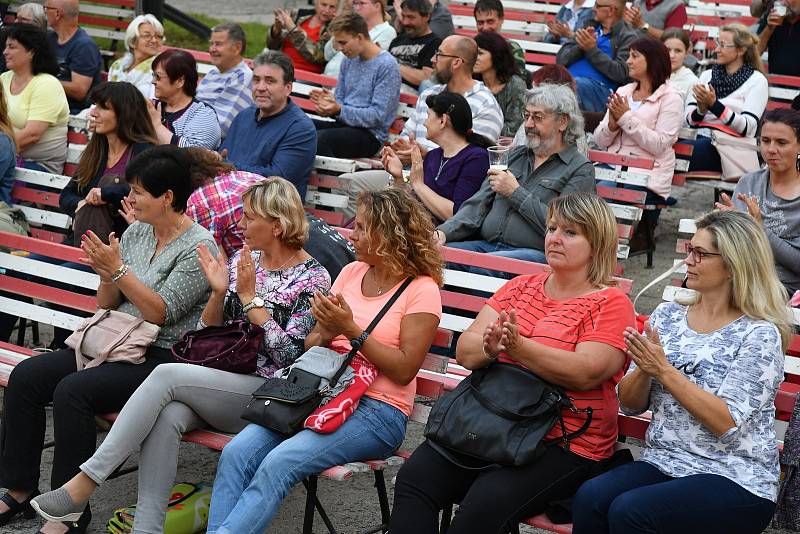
{"x":709,"y":370}
{"x":566,"y":326}
{"x":728,"y":100}
{"x":8,"y":152}
{"x":392,"y":239}
{"x":143,"y":40}
{"x":270,"y":282}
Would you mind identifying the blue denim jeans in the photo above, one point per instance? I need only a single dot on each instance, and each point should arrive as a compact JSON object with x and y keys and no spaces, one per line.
{"x":704,"y":156}
{"x":638,"y":498}
{"x":258,"y":468}
{"x":495,"y":249}
{"x":592,"y":95}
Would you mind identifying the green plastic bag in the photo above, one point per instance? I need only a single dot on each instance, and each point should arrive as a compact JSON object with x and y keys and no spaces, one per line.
{"x":187,"y":512}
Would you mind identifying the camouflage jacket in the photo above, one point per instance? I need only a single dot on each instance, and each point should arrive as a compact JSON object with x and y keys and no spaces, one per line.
{"x":313,"y":52}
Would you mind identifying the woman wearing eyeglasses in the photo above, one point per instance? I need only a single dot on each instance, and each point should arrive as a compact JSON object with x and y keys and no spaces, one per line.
{"x":709,"y":369}
{"x":143,"y":40}
{"x":726,"y":105}
{"x":772,"y":195}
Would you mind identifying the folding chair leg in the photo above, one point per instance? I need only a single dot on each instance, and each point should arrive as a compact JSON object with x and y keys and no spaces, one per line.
{"x":312,"y":502}
{"x":311,"y":494}
{"x":21,"y":326}
{"x":383,"y":499}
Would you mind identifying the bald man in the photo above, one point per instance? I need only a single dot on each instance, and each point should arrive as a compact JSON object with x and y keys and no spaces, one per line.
{"x":79,"y":59}
{"x":452,"y":71}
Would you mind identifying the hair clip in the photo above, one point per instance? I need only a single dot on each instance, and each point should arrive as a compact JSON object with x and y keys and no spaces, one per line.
{"x":451,"y":108}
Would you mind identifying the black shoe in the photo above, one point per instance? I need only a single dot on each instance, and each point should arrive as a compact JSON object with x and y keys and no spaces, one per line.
{"x":74,"y":528}
{"x":15,"y":507}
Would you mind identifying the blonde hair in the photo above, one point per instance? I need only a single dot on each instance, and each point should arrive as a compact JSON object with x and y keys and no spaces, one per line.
{"x":755,"y":288}
{"x":399,"y":231}
{"x":596,"y":221}
{"x":5,"y":120}
{"x":277,"y":198}
{"x":744,"y":38}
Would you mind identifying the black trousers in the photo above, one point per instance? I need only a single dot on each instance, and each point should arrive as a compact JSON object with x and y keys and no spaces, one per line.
{"x":338,"y":140}
{"x":488,"y":500}
{"x":76,"y":396}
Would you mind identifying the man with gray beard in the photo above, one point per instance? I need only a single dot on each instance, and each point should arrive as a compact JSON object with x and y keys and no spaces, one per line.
{"x":508,"y":215}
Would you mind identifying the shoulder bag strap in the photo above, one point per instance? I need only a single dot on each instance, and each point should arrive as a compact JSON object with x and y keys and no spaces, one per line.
{"x":335,"y":378}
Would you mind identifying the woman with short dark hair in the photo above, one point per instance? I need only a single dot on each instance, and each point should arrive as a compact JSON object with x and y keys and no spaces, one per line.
{"x":37,"y":103}
{"x":152,"y":273}
{"x":177,"y":116}
{"x":496,"y":69}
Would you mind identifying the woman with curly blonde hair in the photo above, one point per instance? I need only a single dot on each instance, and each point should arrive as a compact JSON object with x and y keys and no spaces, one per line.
{"x":392,"y":239}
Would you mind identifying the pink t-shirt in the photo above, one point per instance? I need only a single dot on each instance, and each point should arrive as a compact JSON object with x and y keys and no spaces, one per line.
{"x":421,"y":296}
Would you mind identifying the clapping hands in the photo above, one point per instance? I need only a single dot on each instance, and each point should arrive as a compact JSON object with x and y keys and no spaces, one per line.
{"x":502,"y":336}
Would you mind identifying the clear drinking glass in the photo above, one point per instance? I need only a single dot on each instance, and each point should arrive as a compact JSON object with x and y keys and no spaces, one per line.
{"x":498,"y":157}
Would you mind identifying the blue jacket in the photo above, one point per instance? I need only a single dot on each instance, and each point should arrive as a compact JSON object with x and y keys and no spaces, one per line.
{"x":282,"y":145}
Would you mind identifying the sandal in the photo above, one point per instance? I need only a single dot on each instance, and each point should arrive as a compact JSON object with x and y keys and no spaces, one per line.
{"x":15,"y":507}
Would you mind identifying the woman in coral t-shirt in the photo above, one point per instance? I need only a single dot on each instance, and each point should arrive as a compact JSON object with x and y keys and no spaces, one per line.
{"x":392,"y":239}
{"x":566,"y":326}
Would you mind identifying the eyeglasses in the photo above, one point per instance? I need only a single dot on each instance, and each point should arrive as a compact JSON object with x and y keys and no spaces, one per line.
{"x":720,"y":44}
{"x":150,"y":37}
{"x":359,"y":4}
{"x":439,"y":54}
{"x":697,"y":254}
{"x":50,"y":7}
{"x":158,"y":77}
{"x":537,"y":117}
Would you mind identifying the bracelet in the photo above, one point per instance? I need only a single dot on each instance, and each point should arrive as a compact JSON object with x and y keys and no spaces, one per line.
{"x":486,"y":355}
{"x":119,"y":273}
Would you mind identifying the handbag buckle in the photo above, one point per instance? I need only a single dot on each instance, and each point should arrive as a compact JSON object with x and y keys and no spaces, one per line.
{"x":266,"y":402}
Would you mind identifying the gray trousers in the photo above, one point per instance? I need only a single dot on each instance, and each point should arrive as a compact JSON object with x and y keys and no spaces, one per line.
{"x":174,"y":399}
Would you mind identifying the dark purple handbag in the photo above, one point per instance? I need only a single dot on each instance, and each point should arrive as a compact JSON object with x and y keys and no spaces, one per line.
{"x":231,"y":347}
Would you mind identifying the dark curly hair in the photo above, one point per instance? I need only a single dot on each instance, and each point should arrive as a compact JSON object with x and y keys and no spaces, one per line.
{"x":34,"y":39}
{"x":500,"y":50}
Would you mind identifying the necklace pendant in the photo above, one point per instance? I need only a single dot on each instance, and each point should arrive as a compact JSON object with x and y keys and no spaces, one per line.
{"x":380,"y":291}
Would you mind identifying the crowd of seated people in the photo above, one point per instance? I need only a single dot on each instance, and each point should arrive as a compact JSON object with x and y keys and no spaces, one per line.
{"x":229,"y":231}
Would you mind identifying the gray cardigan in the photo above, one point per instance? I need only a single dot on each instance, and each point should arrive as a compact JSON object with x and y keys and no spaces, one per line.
{"x":781,"y":223}
{"x":520,"y":220}
{"x":615,"y":67}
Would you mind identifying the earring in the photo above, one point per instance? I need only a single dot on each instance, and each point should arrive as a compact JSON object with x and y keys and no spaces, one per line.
{"x":797,"y":163}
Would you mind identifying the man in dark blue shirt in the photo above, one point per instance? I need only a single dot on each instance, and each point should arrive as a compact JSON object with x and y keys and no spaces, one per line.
{"x":274,"y":137}
{"x":79,"y":59}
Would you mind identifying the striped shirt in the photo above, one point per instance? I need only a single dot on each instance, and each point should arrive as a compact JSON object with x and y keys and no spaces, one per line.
{"x":196,"y":126}
{"x":736,"y":114}
{"x":227,"y":92}
{"x":600,"y":317}
{"x":487,"y":117}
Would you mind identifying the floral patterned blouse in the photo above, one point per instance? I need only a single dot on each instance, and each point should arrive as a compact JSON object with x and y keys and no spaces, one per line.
{"x":287,"y":297}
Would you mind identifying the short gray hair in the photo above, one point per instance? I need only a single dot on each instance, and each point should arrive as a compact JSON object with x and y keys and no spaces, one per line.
{"x":559,"y":99}
{"x":132,"y":32}
{"x":278,"y":59}
{"x":235,"y":33}
{"x":35,"y":13}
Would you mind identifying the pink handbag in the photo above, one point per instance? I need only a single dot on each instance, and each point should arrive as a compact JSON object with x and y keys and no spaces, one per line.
{"x":113,"y":336}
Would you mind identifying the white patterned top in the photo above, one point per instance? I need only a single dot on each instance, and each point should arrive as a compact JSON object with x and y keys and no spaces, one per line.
{"x":741,"y":363}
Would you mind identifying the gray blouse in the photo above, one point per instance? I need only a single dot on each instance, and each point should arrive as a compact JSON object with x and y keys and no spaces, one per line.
{"x":174,"y":274}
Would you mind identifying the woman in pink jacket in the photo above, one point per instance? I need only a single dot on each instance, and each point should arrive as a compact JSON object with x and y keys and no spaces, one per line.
{"x":644,"y":117}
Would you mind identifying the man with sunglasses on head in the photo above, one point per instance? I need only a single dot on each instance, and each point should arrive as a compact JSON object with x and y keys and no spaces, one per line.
{"x":596,"y":54}
{"x":452,"y":71}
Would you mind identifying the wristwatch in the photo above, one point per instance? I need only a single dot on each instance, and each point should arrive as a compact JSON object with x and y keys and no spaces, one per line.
{"x":257,"y":302}
{"x":358,"y":342}
{"x":646,"y":27}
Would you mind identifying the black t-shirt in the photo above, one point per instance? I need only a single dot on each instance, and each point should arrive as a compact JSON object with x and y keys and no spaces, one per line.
{"x":414,"y":52}
{"x":328,"y":246}
{"x":79,"y":55}
{"x":783,"y":46}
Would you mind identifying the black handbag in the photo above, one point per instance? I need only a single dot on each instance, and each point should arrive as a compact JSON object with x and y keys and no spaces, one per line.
{"x":283,"y":404}
{"x":499,"y":416}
